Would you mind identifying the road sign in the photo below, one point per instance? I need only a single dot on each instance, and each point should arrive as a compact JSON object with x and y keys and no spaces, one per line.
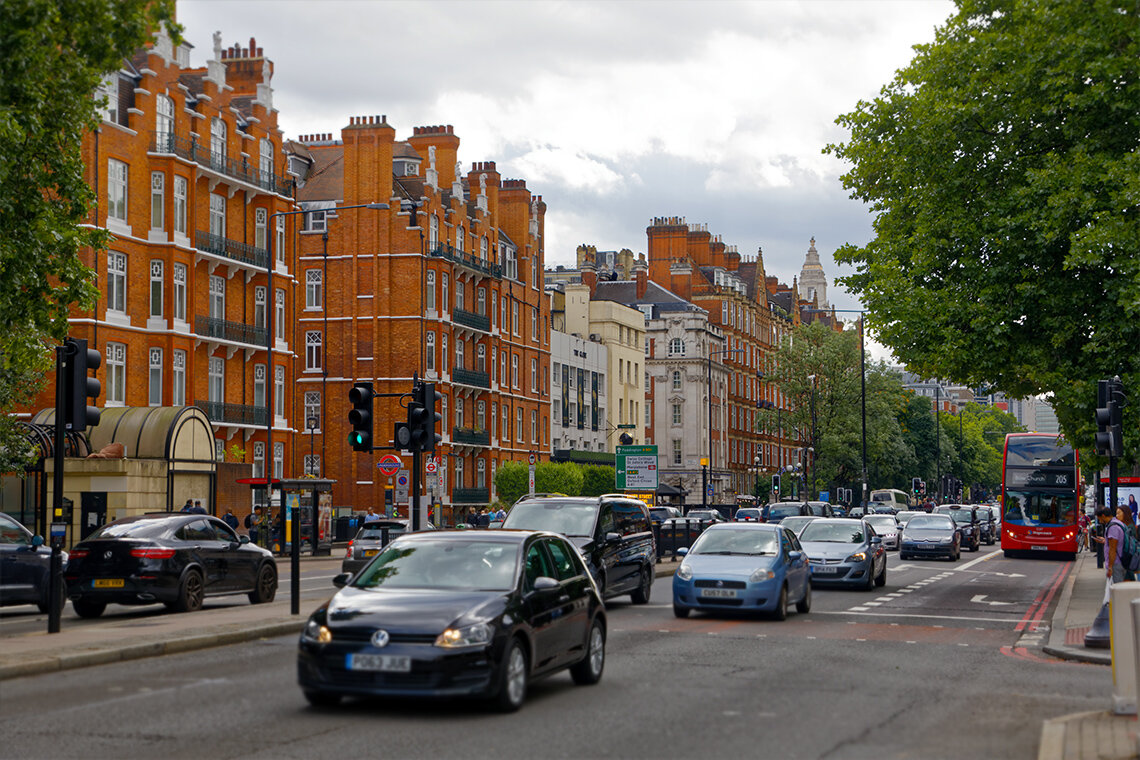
{"x":533,"y":458}
{"x":389,"y":464}
{"x":636,"y":468}
{"x":626,"y":427}
{"x":401,"y":495}
{"x":709,"y":492}
{"x":430,"y":466}
{"x":530,"y":481}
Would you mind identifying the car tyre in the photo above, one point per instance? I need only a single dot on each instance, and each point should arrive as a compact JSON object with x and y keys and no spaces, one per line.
{"x":640,"y":595}
{"x":322,"y":698}
{"x":513,"y":681}
{"x":781,"y":611}
{"x":803,"y":606}
{"x":589,"y":670}
{"x":190,"y":593}
{"x":881,"y":578}
{"x":681,"y":612}
{"x":266,"y":588}
{"x":85,"y":608}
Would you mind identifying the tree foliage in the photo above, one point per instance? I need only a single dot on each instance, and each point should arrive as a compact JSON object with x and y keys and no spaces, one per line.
{"x":597,"y":480}
{"x":1002,"y":167}
{"x":53,"y":54}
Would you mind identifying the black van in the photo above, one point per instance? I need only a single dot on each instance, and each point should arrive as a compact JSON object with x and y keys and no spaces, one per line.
{"x":612,"y":531}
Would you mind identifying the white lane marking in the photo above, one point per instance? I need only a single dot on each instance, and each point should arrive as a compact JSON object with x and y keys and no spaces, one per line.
{"x":859,"y":609}
{"x":893,"y":596}
{"x":905,"y":590}
{"x":860,"y":639}
{"x":981,"y":599}
{"x":906,"y":615}
{"x":872,"y":604}
{"x":883,"y":599}
{"x":973,"y":562}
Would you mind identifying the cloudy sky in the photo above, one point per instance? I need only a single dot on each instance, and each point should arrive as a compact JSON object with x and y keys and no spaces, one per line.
{"x":614,"y":111}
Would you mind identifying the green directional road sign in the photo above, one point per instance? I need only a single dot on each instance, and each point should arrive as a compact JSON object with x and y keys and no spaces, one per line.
{"x":636,"y":468}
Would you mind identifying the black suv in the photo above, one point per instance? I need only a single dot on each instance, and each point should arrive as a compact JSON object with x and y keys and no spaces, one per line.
{"x":612,"y":531}
{"x":967,"y":519}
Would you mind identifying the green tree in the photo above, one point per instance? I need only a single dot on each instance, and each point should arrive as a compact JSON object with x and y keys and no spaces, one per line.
{"x":597,"y":480}
{"x":53,"y":54}
{"x":1002,"y":168}
{"x":511,"y":481}
{"x":558,"y":477}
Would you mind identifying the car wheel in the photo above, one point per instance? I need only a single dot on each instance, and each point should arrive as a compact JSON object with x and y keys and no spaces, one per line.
{"x":781,"y":611}
{"x":322,"y":698}
{"x":44,"y":606}
{"x":589,"y":670}
{"x":266,"y":588}
{"x":85,"y":608}
{"x":681,"y":612}
{"x":640,"y":595}
{"x":804,"y":605}
{"x":881,"y":578}
{"x":512,"y":685}
{"x":190,"y":593}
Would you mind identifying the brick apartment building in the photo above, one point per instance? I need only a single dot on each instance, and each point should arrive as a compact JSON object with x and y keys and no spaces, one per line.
{"x":444,"y":283}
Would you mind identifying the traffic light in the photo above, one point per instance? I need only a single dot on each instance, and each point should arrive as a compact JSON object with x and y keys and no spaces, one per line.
{"x":1110,"y":400}
{"x":78,"y":386}
{"x":916,"y":486}
{"x":922,"y":488}
{"x":776,"y":484}
{"x":422,"y":417}
{"x":360,"y":417}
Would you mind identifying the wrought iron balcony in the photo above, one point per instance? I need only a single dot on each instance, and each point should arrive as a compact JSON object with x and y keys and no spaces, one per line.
{"x":471,"y":496}
{"x":474,"y":263}
{"x":233,"y":414}
{"x":242,"y":253}
{"x":471,"y":377}
{"x":471,"y":436}
{"x":200,"y":153}
{"x":471,"y":319}
{"x":235,"y":332}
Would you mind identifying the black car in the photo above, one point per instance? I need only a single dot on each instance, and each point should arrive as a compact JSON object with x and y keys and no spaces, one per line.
{"x":966,"y":518}
{"x":176,"y":558}
{"x":658,"y":515}
{"x":931,"y":536}
{"x":25,"y":566}
{"x":456,"y":613}
{"x":774,"y":513}
{"x":612,"y":531}
{"x":370,"y":539}
{"x":987,"y":525}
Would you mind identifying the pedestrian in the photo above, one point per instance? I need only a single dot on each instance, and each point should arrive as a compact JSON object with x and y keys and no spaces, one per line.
{"x":188,"y":506}
{"x":484,"y":518}
{"x":371,"y":515}
{"x":501,"y":514}
{"x":1125,"y":516}
{"x":253,"y":524}
{"x":197,"y":508}
{"x":1113,"y":543}
{"x":1132,"y":507}
{"x":231,"y":519}
{"x":473,"y":518}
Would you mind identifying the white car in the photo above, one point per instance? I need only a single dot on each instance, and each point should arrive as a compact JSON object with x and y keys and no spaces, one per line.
{"x":886,"y":527}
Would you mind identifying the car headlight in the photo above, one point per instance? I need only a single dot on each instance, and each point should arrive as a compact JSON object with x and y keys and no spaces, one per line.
{"x":684,"y":572}
{"x":945,"y":540}
{"x":761,"y":575}
{"x":857,"y":557}
{"x":477,"y":635}
{"x":314,"y":631}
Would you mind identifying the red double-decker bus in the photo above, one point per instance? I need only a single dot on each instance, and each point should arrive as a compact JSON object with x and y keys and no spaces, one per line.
{"x":1040,"y":495}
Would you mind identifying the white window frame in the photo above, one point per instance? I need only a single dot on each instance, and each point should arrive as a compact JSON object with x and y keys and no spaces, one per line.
{"x":218,"y":135}
{"x":314,"y":351}
{"x":443,"y":353}
{"x":279,"y":390}
{"x":181,"y":188}
{"x":163,"y":122}
{"x":178,"y":378}
{"x":314,"y":289}
{"x":519,"y":425}
{"x":259,"y":313}
{"x":217,"y":297}
{"x":217,"y":380}
{"x":117,"y":282}
{"x":116,"y":374}
{"x":260,"y":228}
{"x":157,"y":201}
{"x":258,"y":459}
{"x":117,"y":190}
{"x":157,"y":270}
{"x":429,"y":351}
{"x":534,"y":375}
{"x":278,"y":459}
{"x":218,"y":215}
{"x":313,"y":409}
{"x":279,"y":314}
{"x":429,"y":290}
{"x":154,"y":377}
{"x":259,"y":385}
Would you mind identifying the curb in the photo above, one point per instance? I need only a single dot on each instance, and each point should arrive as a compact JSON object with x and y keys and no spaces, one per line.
{"x":1056,"y":645}
{"x":188,"y":643}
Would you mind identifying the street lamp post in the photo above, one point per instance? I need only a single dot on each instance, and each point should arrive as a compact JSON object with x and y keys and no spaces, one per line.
{"x":710,"y":471}
{"x":810,"y":464}
{"x":756,"y":483}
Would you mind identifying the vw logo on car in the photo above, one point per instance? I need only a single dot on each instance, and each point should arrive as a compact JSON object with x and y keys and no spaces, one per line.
{"x":380,"y":639}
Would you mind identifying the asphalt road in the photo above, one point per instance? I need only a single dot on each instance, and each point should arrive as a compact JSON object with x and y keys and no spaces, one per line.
{"x":944,"y":662}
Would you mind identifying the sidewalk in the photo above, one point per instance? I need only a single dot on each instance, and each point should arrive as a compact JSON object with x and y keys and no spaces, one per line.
{"x":1091,"y":735}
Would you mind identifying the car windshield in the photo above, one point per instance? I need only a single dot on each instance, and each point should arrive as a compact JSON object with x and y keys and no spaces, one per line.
{"x":905,"y":517}
{"x":829,"y":532}
{"x":744,"y":542}
{"x":136,"y":529}
{"x":883,"y":523}
{"x":443,"y":564}
{"x":374,"y":531}
{"x":703,"y":514}
{"x":748,"y":512}
{"x":818,"y":509}
{"x":930,"y":522}
{"x":778,"y":513}
{"x":570,"y":518}
{"x":796,"y":522}
{"x":961,"y":515}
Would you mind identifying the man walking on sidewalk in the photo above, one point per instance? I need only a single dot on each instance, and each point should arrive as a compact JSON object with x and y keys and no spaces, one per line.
{"x":1113,"y":543}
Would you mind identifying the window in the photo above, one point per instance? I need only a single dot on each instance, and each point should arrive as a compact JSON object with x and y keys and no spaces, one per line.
{"x":677,"y":414}
{"x":494,"y":418}
{"x":429,"y":349}
{"x":216,"y":388}
{"x":154,"y":397}
{"x":534,"y":324}
{"x":676,"y":452}
{"x":481,"y":302}
{"x":180,"y":205}
{"x":157,"y":200}
{"x":430,"y":290}
{"x":481,"y":357}
{"x":279,"y":240}
{"x":534,"y":426}
{"x":313,"y":465}
{"x":314,"y":289}
{"x":178,"y":379}
{"x":279,"y":391}
{"x":459,"y":415}
{"x":265,"y":159}
{"x":164,"y":122}
{"x":116,"y":190}
{"x":443,"y":352}
{"x":460,"y":234}
{"x":458,"y":472}
{"x":676,"y":347}
{"x":534,"y":375}
{"x":117,"y":282}
{"x":109,"y":89}
{"x":116,"y":374}
{"x":156,"y":270}
{"x":460,"y":349}
{"x":648,"y":414}
{"x":502,"y":312}
{"x":676,"y":381}
{"x":515,"y":317}
{"x":443,"y":290}
{"x":313,"y":408}
{"x":433,"y":232}
{"x":315,"y":221}
{"x":514,"y":370}
{"x":260,"y":228}
{"x":259,"y":385}
{"x":519,"y":425}
{"x":217,"y":215}
{"x":258,"y":459}
{"x":218,"y":143}
{"x":506,"y":423}
{"x":278,"y":459}
{"x":217,"y":297}
{"x":279,"y":314}
{"x":259,"y":306}
{"x":460,"y":296}
{"x":480,"y":473}
{"x":313,"y":344}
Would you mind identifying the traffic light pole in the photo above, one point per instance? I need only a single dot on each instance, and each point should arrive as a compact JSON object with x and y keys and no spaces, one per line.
{"x":417,"y":520}
{"x":57,"y":483}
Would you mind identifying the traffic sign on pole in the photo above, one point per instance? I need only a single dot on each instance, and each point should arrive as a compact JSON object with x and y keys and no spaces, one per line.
{"x":389,"y":464}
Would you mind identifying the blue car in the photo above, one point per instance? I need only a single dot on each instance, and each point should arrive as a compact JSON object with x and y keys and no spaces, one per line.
{"x":745,"y":567}
{"x":844,"y":552}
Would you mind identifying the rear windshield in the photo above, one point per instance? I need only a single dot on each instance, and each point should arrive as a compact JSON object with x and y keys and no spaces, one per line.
{"x":374,"y":531}
{"x":779,"y":513}
{"x":839,"y":533}
{"x":137,"y":529}
{"x":930,"y":522}
{"x":749,"y":512}
{"x":570,"y":518}
{"x":883,"y":523}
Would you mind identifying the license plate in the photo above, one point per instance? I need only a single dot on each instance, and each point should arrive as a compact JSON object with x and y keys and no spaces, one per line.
{"x":725,"y":593}
{"x":107,"y":583}
{"x":824,"y":570}
{"x":370,"y":552}
{"x":1040,"y":548}
{"x":380,"y":662}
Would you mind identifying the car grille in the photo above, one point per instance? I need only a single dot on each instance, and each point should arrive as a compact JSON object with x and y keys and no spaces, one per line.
{"x":720,"y":584}
{"x":394,"y":680}
{"x":721,"y":602}
{"x":827,"y":562}
{"x":365,"y":635}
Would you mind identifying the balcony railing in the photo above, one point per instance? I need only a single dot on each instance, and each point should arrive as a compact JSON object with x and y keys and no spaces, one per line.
{"x":233,"y":414}
{"x":471,"y":319}
{"x":471,"y":496}
{"x":200,"y":153}
{"x":235,"y":332}
{"x":471,"y":436}
{"x":474,"y":263}
{"x":243,"y":253}
{"x":471,"y":377}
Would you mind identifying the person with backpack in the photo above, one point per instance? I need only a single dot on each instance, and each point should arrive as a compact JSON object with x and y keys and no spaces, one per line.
{"x":1114,"y":536}
{"x":1128,"y":549}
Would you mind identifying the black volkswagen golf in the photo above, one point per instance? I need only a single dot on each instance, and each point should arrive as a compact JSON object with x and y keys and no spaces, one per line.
{"x":174,"y":558}
{"x":456,"y":613}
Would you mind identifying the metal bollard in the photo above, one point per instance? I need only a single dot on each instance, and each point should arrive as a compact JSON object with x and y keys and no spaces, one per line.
{"x":1123,"y":638}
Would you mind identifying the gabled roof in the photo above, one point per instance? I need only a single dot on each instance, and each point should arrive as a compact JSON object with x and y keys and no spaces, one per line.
{"x":326,"y":180}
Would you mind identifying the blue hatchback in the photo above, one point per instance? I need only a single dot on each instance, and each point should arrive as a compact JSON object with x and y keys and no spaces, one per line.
{"x":744,"y":567}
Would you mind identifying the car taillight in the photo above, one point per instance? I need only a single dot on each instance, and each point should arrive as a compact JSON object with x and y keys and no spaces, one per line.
{"x":152,"y":553}
{"x":348,"y":553}
{"x":77,"y":553}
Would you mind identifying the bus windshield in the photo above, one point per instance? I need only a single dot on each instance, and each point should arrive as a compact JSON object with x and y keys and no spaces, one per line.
{"x":1040,"y":508}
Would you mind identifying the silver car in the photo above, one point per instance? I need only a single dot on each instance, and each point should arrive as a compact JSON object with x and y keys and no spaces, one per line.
{"x":370,"y":539}
{"x":887,"y":527}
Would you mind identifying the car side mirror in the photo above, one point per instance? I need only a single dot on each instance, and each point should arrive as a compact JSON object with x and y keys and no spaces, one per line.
{"x":341,"y":580}
{"x":37,"y":541}
{"x":243,"y":540}
{"x":613,"y":538}
{"x":682,"y":551}
{"x":876,"y":540}
{"x":544,"y":583}
{"x":795,"y":555}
